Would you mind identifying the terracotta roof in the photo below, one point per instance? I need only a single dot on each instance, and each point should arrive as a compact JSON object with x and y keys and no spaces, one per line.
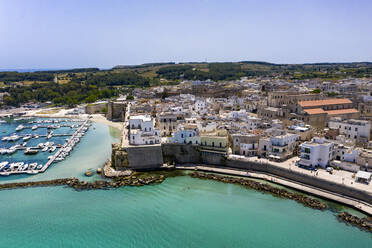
{"x":314,"y":111}
{"x":342,"y":111}
{"x":324,"y":102}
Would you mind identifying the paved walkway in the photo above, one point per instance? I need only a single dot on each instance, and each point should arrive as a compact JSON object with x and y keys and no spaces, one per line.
{"x":338,"y":176}
{"x":362,"y":206}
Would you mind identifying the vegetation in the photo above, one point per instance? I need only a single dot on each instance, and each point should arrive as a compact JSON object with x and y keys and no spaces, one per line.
{"x":316,"y":91}
{"x":86,"y":85}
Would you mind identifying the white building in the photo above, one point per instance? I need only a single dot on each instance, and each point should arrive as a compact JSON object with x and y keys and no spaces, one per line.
{"x":187,"y":134}
{"x":358,"y":130}
{"x":278,"y":147}
{"x":142,"y":131}
{"x":317,"y":152}
{"x":200,"y":106}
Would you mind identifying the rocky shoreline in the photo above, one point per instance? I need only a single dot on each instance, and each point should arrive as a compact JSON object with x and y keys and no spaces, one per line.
{"x":306,"y":201}
{"x":362,"y":223}
{"x":141,"y":179}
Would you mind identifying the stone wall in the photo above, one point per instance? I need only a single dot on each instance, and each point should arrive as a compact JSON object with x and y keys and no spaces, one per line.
{"x":181,"y":154}
{"x":302,"y":178}
{"x":152,"y":157}
{"x":95,"y":108}
{"x":116,"y":111}
{"x":144,"y":157}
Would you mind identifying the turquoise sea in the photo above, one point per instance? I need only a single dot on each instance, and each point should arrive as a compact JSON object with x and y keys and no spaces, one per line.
{"x":180,"y":212}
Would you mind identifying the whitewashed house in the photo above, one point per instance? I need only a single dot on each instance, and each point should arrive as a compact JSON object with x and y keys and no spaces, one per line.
{"x":358,"y":130}
{"x":142,"y":131}
{"x":186,"y":134}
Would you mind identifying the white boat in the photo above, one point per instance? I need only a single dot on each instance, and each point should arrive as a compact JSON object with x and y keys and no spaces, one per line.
{"x":24,"y":144}
{"x":34,"y":127}
{"x":39,"y":167}
{"x":20,"y":128}
{"x":3,"y":151}
{"x":27,"y":137}
{"x":40,"y":145}
{"x":16,"y":147}
{"x":13,"y":137}
{"x":3,"y":164}
{"x":11,"y":151}
{"x":45,"y":149}
{"x":52,"y":149}
{"x":50,"y":135}
{"x":30,"y":151}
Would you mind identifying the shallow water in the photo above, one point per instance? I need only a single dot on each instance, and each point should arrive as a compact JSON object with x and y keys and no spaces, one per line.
{"x":180,"y":212}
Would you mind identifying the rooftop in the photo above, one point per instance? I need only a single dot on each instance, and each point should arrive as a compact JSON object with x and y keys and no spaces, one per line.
{"x":342,"y":111}
{"x":315,"y":111}
{"x":140,"y":117}
{"x":324,"y":102}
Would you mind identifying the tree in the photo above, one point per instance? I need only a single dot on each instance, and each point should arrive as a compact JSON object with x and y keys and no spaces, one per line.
{"x":316,"y":91}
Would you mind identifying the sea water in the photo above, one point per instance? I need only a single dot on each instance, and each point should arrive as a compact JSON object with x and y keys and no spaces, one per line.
{"x":180,"y":212}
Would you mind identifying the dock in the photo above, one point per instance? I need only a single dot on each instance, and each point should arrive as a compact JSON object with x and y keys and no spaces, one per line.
{"x":51,"y":160}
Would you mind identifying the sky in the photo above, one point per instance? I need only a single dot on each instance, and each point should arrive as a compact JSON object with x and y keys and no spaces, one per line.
{"x":104,"y":33}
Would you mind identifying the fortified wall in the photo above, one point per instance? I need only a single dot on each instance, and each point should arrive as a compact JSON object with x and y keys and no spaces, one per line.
{"x":153,"y":157}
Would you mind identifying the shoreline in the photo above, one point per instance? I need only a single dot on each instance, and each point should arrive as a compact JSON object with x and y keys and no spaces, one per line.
{"x":311,"y":190}
{"x":157,"y":177}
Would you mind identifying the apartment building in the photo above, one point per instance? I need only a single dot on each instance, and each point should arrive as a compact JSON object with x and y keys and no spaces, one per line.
{"x":317,"y":152}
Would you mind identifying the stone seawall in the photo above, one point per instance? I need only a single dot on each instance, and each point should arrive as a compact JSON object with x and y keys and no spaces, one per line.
{"x":301,"y":178}
{"x":153,"y":157}
{"x":181,"y":154}
{"x":144,"y":157}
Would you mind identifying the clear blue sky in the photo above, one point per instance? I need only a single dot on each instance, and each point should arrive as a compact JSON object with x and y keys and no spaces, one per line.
{"x":105,"y":33}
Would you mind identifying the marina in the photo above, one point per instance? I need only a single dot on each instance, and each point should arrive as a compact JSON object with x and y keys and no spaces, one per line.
{"x":38,"y":156}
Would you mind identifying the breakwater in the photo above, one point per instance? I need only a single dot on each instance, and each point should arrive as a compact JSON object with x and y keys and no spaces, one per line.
{"x":305,"y":200}
{"x":84,"y":185}
{"x":362,"y":223}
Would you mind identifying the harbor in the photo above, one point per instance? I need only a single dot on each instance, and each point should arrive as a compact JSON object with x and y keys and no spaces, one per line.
{"x":60,"y":139}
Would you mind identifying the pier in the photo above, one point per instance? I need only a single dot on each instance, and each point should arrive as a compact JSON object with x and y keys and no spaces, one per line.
{"x":51,"y":160}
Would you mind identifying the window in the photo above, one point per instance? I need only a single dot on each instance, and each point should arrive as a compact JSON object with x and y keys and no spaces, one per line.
{"x":213,"y":143}
{"x":220,"y":144}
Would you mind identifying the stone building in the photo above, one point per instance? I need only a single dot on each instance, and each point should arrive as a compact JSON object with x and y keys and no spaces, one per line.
{"x":116,"y":110}
{"x":289,"y":99}
{"x":245,"y":144}
{"x":316,"y":112}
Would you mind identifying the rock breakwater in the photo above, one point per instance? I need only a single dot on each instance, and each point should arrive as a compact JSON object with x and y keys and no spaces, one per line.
{"x":305,"y":200}
{"x":363,"y":223}
{"x":84,"y":185}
